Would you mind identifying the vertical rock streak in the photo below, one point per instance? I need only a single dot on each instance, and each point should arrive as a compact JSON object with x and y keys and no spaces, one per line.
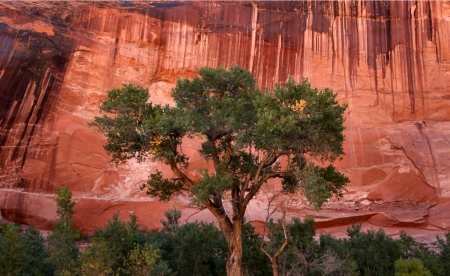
{"x":33,"y":67}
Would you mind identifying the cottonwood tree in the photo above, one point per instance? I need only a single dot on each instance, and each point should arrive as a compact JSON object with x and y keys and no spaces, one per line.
{"x":62,"y":241}
{"x":249,"y":135}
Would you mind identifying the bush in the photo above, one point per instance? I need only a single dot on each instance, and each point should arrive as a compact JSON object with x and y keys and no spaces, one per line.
{"x":414,"y":250}
{"x":22,"y":253}
{"x":112,"y":245}
{"x":412,"y":267}
{"x":192,"y":248}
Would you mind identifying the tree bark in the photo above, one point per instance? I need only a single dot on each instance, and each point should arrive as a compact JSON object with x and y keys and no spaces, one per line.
{"x":275,"y":266}
{"x":234,"y":260}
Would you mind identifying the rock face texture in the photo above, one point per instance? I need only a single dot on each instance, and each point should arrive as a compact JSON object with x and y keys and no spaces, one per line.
{"x":389,"y":60}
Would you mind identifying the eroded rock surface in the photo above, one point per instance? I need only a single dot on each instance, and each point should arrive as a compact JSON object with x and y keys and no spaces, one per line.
{"x":389,"y":60}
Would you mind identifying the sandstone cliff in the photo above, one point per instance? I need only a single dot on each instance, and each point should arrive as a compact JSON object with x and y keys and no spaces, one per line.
{"x":389,"y":60}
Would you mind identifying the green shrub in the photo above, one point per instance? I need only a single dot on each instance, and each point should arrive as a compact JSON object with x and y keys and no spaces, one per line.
{"x":22,"y":253}
{"x":412,"y":267}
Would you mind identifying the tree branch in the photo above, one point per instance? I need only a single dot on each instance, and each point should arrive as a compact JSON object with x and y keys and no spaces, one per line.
{"x":215,"y":158}
{"x":256,"y":186}
{"x":286,"y":239}
{"x":244,"y":188}
{"x":228,"y":153}
{"x":180,"y":175}
{"x":268,"y":157}
{"x":216,"y":209}
{"x":236,"y":203}
{"x":271,"y":162}
{"x":274,"y":258}
{"x":219,"y":212}
{"x":265,"y":252}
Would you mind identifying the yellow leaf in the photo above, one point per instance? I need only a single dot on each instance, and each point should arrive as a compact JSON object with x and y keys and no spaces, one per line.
{"x":156,"y":141}
{"x":299,"y":106}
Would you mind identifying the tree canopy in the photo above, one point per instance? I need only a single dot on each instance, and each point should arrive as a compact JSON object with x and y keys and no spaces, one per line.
{"x":250,"y":135}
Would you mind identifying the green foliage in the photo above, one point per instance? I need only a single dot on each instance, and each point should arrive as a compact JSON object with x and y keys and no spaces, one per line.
{"x":370,"y":253}
{"x":412,"y":267}
{"x":302,"y":234}
{"x":141,"y":260}
{"x":210,"y":185}
{"x":62,"y":241}
{"x":300,"y":255}
{"x":115,"y":242}
{"x":341,"y":248}
{"x":138,"y":128}
{"x":444,"y":255}
{"x":161,"y":187}
{"x":22,"y":252}
{"x":201,"y":249}
{"x":300,"y":119}
{"x":162,"y":269}
{"x":173,"y":220}
{"x":303,"y":255}
{"x":374,"y":252}
{"x":192,"y":248}
{"x":11,"y":251}
{"x":65,"y":207}
{"x":414,"y":250}
{"x":97,"y":260}
{"x":319,"y":184}
{"x":121,"y":249}
{"x":35,"y":253}
{"x":255,"y":261}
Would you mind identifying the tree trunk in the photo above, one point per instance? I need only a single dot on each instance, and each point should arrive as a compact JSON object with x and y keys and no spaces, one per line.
{"x":234,"y":261}
{"x":275,"y":266}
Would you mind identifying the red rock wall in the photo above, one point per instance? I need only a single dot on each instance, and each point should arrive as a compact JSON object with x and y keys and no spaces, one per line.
{"x":389,"y":60}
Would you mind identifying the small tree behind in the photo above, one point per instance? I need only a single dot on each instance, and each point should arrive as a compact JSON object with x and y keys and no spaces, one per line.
{"x":35,"y":262}
{"x":22,"y":252}
{"x":62,"y":241}
{"x":11,"y":251}
{"x":250,"y":136}
{"x":97,"y":260}
{"x":119,"y":238}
